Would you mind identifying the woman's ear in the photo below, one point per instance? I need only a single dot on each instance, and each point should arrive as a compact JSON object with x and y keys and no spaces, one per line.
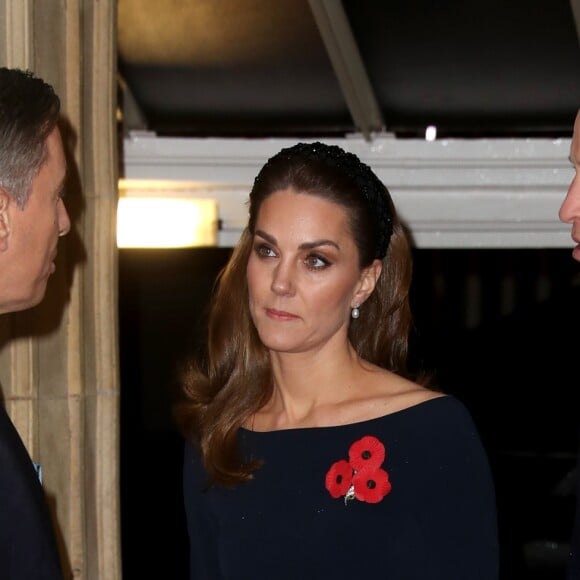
{"x":367,"y":282}
{"x":4,"y":219}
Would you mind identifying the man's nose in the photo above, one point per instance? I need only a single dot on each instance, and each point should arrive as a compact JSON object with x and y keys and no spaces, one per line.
{"x":570,"y":208}
{"x":63,"y":219}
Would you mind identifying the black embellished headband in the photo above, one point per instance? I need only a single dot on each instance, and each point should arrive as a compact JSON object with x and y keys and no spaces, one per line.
{"x":362,"y":177}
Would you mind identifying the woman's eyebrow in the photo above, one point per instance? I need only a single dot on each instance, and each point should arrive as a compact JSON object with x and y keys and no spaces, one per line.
{"x":305,"y":246}
{"x":318,"y":243}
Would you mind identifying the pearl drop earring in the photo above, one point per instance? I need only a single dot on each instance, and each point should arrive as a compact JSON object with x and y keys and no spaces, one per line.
{"x":355,"y":312}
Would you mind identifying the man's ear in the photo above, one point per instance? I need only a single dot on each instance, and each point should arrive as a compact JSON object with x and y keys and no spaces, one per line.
{"x":4,"y":219}
{"x":367,"y":282}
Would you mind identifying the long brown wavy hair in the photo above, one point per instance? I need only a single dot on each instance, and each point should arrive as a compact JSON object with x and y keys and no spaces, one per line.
{"x":224,"y":388}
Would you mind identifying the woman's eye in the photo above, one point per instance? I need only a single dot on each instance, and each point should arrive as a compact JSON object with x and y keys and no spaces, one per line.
{"x":315,"y":262}
{"x":264,"y":251}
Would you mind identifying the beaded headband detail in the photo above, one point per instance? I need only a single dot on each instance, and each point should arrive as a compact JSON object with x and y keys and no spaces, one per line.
{"x":359,"y":174}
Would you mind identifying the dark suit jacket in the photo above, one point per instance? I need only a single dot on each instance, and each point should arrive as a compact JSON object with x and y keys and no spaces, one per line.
{"x":574,"y":559}
{"x":28,"y":549}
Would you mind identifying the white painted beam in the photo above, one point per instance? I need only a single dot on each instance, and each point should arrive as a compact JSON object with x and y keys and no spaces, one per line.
{"x":456,"y":193}
{"x":349,"y":68}
{"x":133,"y":116}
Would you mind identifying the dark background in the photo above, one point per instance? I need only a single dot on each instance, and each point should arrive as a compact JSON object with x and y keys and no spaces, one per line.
{"x":503,"y":68}
{"x":497,"y":327}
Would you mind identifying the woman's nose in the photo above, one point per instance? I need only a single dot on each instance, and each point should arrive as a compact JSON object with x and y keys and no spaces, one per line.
{"x":282,"y":279}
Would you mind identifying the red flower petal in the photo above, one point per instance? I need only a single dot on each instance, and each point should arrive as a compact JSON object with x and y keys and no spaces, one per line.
{"x":371,"y":485}
{"x":339,"y":478}
{"x":367,"y":452}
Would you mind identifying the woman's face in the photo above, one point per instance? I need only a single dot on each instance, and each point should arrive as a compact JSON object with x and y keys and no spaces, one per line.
{"x":303,"y":273}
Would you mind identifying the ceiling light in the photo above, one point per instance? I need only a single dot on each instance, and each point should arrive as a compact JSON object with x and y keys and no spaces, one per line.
{"x":431,"y":133}
{"x":162,"y":222}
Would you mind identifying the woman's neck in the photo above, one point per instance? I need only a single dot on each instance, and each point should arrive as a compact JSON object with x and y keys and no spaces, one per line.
{"x":307,"y":384}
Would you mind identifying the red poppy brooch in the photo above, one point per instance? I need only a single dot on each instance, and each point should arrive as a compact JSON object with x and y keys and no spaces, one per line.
{"x":361,"y":477}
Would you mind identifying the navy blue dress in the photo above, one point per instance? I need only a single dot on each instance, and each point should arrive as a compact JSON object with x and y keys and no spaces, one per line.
{"x":28,"y":549}
{"x":437,"y":522}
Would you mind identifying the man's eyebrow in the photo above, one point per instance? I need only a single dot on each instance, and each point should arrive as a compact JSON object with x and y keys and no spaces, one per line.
{"x":61,"y":186}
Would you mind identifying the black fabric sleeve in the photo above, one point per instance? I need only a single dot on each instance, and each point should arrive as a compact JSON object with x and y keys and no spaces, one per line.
{"x":457,"y":527}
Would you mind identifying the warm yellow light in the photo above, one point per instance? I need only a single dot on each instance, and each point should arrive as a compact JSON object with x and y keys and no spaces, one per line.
{"x":157,"y":222}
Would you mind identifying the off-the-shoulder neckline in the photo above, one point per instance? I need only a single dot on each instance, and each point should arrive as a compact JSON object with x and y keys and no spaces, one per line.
{"x":364,"y":422}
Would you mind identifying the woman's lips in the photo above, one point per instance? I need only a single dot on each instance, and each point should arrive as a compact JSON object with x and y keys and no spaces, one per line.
{"x":279,"y":314}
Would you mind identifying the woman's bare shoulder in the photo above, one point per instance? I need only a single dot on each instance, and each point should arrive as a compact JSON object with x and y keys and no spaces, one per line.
{"x":412,"y":396}
{"x":386,"y":392}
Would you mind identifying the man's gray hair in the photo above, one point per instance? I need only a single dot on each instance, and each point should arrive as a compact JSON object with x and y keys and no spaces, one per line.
{"x":29,"y":111}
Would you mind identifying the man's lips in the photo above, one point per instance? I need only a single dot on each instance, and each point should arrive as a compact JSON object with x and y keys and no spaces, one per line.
{"x":52,"y":265}
{"x":280,"y":314}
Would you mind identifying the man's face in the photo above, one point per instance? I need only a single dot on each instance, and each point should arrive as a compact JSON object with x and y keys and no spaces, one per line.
{"x":29,"y":236}
{"x":570,"y":210}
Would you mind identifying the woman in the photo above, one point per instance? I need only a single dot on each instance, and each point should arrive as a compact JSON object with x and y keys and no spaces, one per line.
{"x":311,"y":451}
